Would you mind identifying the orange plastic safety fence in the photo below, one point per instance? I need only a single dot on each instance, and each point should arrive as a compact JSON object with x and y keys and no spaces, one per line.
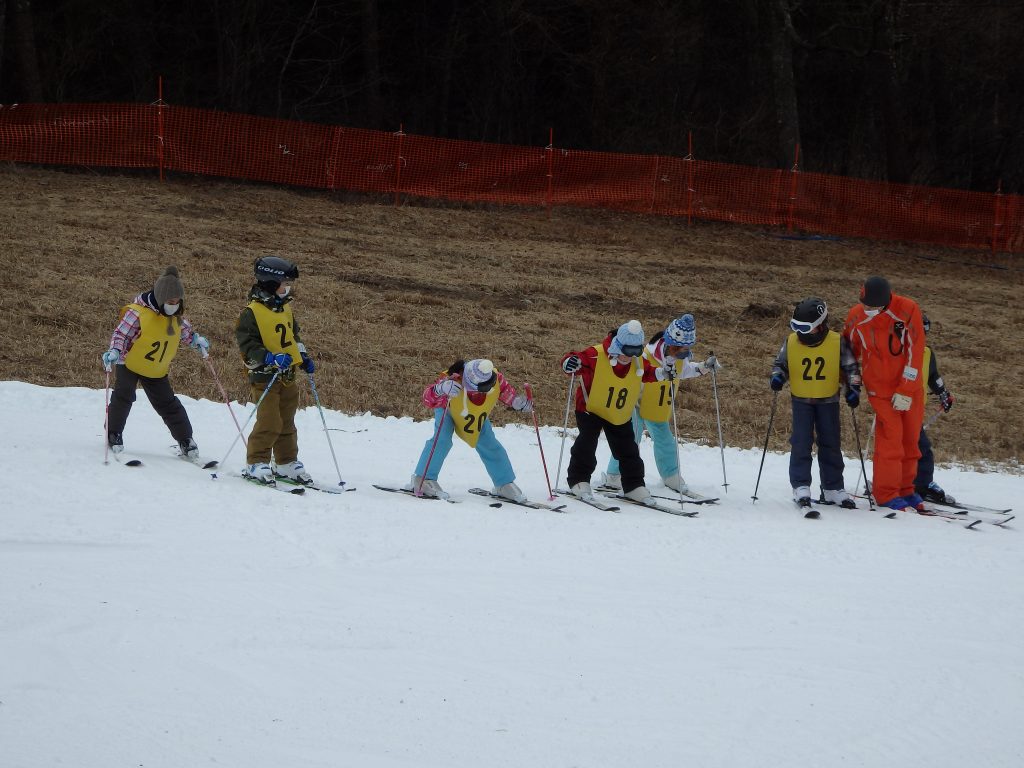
{"x":212,"y":143}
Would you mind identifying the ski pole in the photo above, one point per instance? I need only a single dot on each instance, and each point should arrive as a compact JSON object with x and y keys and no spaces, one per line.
{"x":932,"y":418}
{"x":565,"y":427}
{"x":316,"y":399}
{"x":536,"y":426}
{"x":863,"y":467}
{"x":251,"y":414}
{"x":223,"y":392}
{"x":675,"y":436}
{"x":106,"y":422}
{"x":867,"y":449}
{"x":437,"y":434}
{"x":771,"y":418}
{"x":718,"y":416}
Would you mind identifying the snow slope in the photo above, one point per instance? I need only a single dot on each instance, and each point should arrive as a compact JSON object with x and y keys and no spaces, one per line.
{"x":155,"y":617}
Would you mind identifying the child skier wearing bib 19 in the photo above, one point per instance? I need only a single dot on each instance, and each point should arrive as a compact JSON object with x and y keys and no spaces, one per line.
{"x":669,"y":347}
{"x":924,"y":483}
{"x":814,"y":359}
{"x":611,"y":373}
{"x":461,"y":399}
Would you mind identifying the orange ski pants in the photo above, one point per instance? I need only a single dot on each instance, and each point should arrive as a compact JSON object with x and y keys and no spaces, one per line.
{"x":896,"y":448}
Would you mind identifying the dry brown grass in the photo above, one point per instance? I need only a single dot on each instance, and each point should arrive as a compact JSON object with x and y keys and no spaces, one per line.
{"x":389,"y":296}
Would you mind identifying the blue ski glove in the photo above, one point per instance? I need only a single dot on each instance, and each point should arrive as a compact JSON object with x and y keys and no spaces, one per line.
{"x":307,"y":363}
{"x":201,"y":344}
{"x":853,"y":396}
{"x":110,"y":358}
{"x":282,"y":360}
{"x":777,"y":381}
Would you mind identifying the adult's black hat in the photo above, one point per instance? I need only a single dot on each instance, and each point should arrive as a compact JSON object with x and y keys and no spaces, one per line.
{"x":875,"y":292}
{"x":274,"y":269}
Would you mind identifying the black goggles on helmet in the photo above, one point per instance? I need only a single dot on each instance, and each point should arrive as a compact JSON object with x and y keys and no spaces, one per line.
{"x":487,"y":386}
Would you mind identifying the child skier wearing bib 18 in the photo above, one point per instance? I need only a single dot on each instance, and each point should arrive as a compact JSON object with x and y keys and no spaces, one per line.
{"x":611,"y":373}
{"x":142,"y":347}
{"x":269,"y":339}
{"x":671,"y":347}
{"x":814,"y":359}
{"x":461,"y":399}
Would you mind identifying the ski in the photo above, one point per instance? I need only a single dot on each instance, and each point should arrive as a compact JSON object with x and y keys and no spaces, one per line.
{"x":530,"y":504}
{"x":992,"y":518}
{"x":590,"y":502}
{"x":298,"y":491}
{"x":950,"y":516}
{"x":651,"y":505}
{"x":972,"y":507}
{"x":407,"y":492}
{"x":332,"y":489}
{"x":689,"y":497}
{"x":805,"y":506}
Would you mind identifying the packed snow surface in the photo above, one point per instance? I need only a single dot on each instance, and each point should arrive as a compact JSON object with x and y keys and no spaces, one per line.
{"x":157,"y":617}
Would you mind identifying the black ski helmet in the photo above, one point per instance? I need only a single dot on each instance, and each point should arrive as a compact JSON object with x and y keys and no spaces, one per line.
{"x":274,"y":269}
{"x":810,"y":320}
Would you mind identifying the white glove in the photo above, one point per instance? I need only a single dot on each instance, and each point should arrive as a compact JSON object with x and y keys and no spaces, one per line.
{"x":201,"y":344}
{"x":667,"y":372}
{"x":712,"y":364}
{"x":447,"y":388}
{"x":110,"y":359}
{"x":522,"y":403}
{"x":901,"y":402}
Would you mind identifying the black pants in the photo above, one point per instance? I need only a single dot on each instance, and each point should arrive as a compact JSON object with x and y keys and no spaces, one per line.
{"x":583,"y":455}
{"x":925,"y":465}
{"x":816,"y":423}
{"x":160,"y":395}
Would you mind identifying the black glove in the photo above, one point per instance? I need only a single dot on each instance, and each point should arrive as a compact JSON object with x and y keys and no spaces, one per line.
{"x":777,"y":381}
{"x":572,"y":363}
{"x":946,"y":398}
{"x":853,"y":396}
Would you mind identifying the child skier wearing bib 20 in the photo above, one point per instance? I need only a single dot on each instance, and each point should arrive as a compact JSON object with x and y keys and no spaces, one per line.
{"x":269,"y":338}
{"x":814,"y":359}
{"x":462,"y":398}
{"x":142,"y":347}
{"x":610,"y":373}
{"x":669,"y":347}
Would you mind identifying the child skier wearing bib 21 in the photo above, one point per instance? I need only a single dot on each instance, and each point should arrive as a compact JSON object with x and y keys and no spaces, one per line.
{"x":814,"y":359}
{"x":462,"y":398}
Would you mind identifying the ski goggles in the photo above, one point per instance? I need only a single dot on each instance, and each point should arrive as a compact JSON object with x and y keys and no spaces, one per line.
{"x":804,"y":327}
{"x":632,"y":350}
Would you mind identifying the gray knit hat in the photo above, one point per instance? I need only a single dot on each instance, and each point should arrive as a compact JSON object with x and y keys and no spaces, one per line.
{"x":168,"y":286}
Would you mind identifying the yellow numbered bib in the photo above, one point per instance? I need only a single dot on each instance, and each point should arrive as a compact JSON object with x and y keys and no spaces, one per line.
{"x":813,"y":371}
{"x":656,"y":398}
{"x":926,"y":366}
{"x":610,"y":397}
{"x":468,"y":427}
{"x":155,"y":348}
{"x":276,"y":330}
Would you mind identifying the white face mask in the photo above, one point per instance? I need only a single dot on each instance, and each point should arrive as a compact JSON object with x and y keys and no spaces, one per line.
{"x":170,"y":309}
{"x":871,"y":312}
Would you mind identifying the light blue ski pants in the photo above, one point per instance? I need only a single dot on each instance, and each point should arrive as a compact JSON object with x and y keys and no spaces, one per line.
{"x":491,"y":452}
{"x":664,"y":446}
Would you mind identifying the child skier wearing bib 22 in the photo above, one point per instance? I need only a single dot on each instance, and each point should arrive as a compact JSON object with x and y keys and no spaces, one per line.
{"x":470,"y":391}
{"x":813,"y":359}
{"x":654,"y":413}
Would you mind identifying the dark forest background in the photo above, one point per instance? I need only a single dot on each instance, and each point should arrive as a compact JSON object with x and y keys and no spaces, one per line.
{"x":922,"y":92}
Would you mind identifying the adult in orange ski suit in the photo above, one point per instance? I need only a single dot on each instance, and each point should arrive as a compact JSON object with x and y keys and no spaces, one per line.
{"x":886,"y":335}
